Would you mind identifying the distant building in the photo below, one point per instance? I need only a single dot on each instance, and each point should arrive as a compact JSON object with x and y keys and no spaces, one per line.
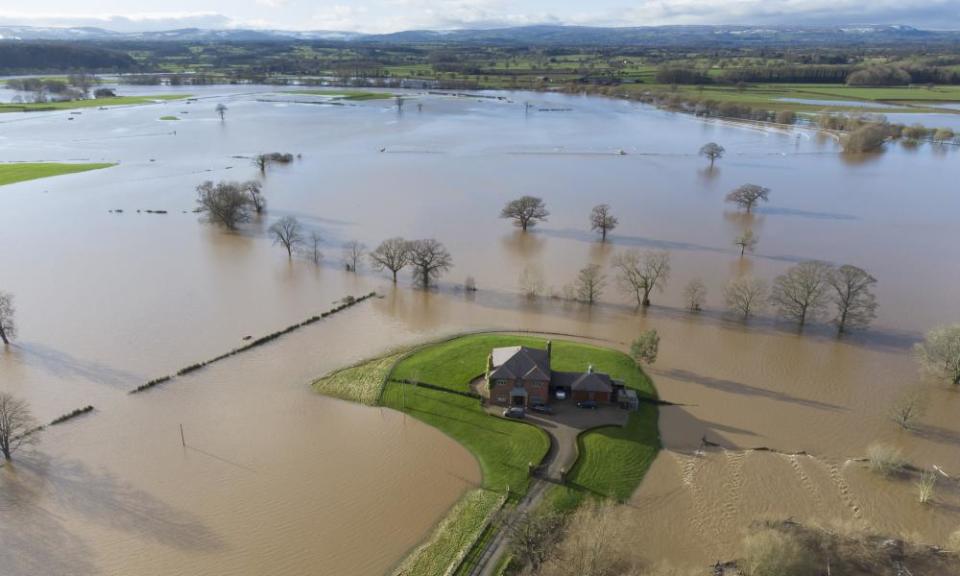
{"x":521,"y":376}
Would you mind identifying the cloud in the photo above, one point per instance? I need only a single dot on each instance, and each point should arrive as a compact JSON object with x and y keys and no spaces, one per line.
{"x":136,"y":22}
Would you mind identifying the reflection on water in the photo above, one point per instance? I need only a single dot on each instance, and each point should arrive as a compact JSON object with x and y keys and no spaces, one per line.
{"x":280,"y":481}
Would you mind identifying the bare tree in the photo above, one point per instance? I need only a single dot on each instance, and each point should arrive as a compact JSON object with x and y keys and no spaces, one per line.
{"x":800,"y":293}
{"x":531,"y":282}
{"x":856,"y":304}
{"x":288,"y":233}
{"x":531,"y":536}
{"x":644,"y":349}
{"x":695,"y":294}
{"x":353,"y":252}
{"x":313,"y":251}
{"x":939,"y":353}
{"x":257,"y":201}
{"x":429,"y":259}
{"x":746,"y":241}
{"x":748,"y":195}
{"x":713,"y":151}
{"x":392,"y":254}
{"x":224,"y":203}
{"x":590,"y":283}
{"x":601,"y":219}
{"x":8,"y":325}
{"x":526,"y":212}
{"x":261,"y":161}
{"x":910,"y":406}
{"x":745,"y":295}
{"x":221,"y":110}
{"x":16,"y":424}
{"x":640,"y":273}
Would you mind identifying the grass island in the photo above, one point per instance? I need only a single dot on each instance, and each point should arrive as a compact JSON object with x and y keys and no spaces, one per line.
{"x":583,"y":456}
{"x":90,"y":103}
{"x":13,"y":172}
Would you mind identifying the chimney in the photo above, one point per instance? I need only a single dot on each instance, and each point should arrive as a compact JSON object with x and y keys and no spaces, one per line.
{"x":549,"y":348}
{"x":590,"y":369}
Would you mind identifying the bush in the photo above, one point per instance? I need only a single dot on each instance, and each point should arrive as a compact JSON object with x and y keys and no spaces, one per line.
{"x":885,"y":459}
{"x":915,"y":132}
{"x":866,"y":139}
{"x":774,"y":553}
{"x":786,"y":117}
{"x":954,"y":541}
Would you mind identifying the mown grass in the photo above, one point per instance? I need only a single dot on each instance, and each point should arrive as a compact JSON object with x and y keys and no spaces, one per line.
{"x":169,"y":118}
{"x":95,"y":103}
{"x":346,"y":94}
{"x":503,"y":448}
{"x":358,"y":383}
{"x":22,"y":171}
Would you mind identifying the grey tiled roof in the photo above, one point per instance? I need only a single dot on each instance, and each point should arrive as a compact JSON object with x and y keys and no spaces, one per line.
{"x":523,"y":364}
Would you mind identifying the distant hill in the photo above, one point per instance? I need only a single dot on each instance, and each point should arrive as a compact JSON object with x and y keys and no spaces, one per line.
{"x":34,"y":57}
{"x":525,"y":35}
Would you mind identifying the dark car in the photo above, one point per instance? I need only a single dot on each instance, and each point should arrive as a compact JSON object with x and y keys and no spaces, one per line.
{"x":542,"y":408}
{"x":587,"y":405}
{"x":515,"y":412}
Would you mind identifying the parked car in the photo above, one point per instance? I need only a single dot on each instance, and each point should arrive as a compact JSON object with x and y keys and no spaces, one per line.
{"x":542,"y":408}
{"x":561,"y":394}
{"x":515,"y":412}
{"x":587,"y":405}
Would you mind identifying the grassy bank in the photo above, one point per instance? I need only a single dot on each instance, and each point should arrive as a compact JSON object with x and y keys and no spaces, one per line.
{"x":346,"y":94}
{"x":95,"y":103}
{"x":612,"y":460}
{"x":22,"y":171}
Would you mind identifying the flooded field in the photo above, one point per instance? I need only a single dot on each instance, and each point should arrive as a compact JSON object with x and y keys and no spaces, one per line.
{"x":276,"y":479}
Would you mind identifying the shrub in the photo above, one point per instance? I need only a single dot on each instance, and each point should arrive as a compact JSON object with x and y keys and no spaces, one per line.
{"x":786,"y":117}
{"x":866,"y":139}
{"x":925,"y":487}
{"x":885,"y":459}
{"x":774,"y":553}
{"x":954,"y":541}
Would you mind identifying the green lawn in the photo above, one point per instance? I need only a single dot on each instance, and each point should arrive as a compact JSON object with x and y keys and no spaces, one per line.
{"x":346,"y":94}
{"x":21,"y":171}
{"x":612,"y":460}
{"x":95,"y":103}
{"x":169,"y":118}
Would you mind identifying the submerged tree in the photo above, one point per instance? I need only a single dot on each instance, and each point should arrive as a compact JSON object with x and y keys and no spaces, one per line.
{"x":695,"y":294}
{"x":392,"y":254}
{"x":8,"y":325}
{"x":353,"y":252}
{"x":800,"y":294}
{"x":224,"y":203}
{"x":713,"y":151}
{"x":590,"y":283}
{"x":602,"y":220}
{"x":644,"y":349}
{"x":745,"y":295}
{"x":855,"y":302}
{"x":939,"y":353}
{"x":287,"y":232}
{"x":525,"y":212}
{"x":639,"y":273}
{"x":16,"y":424}
{"x":531,"y":282}
{"x":221,"y":110}
{"x":257,"y":201}
{"x":748,"y":195}
{"x":746,"y":242}
{"x":909,"y":407}
{"x":430,"y":260}
{"x":313,"y":251}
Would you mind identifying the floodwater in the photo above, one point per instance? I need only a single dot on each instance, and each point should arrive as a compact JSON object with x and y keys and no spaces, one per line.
{"x":276,"y":479}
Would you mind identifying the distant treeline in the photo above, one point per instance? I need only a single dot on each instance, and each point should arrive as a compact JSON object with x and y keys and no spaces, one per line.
{"x":879,"y":75}
{"x":23,"y":57}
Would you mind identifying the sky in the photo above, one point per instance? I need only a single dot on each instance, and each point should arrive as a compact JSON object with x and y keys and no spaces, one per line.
{"x":378,"y":16}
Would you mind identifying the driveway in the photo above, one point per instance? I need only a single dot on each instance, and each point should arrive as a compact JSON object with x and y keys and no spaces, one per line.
{"x":563,"y":426}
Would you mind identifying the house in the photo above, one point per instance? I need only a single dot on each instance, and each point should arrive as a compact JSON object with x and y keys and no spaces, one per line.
{"x":521,"y":376}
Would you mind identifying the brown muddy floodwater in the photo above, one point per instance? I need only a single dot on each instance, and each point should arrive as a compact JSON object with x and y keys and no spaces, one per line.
{"x":278,"y":480}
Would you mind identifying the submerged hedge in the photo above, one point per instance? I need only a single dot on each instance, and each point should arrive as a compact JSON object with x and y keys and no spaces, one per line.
{"x":347,"y":302}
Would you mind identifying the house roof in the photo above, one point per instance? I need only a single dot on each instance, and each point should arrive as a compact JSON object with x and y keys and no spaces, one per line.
{"x":520,"y":363}
{"x":585,"y":381}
